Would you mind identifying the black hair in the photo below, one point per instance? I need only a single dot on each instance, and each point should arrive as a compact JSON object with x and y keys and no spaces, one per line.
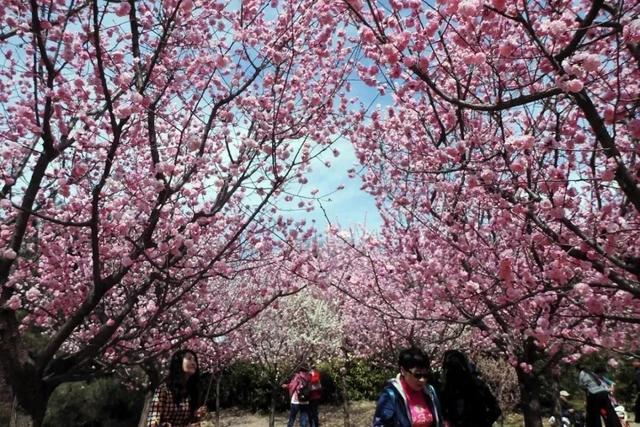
{"x":458,"y":373}
{"x":413,"y":357}
{"x":176,"y":375}
{"x":461,"y":381}
{"x":455,"y":361}
{"x":601,"y":370}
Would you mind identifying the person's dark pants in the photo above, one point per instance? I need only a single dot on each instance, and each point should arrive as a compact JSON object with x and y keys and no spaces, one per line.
{"x":599,"y":405}
{"x":636,"y":409}
{"x":304,"y":415}
{"x":313,"y":413}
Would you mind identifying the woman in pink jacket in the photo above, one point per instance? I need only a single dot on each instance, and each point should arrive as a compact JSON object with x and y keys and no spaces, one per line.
{"x":298,"y":388}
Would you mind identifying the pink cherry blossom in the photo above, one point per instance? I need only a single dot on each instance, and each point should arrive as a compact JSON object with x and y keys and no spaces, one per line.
{"x":499,"y":4}
{"x":530,"y":209}
{"x":574,"y":85}
{"x":14,"y":303}
{"x":9,"y":254}
{"x":632,"y":31}
{"x":123,"y":9}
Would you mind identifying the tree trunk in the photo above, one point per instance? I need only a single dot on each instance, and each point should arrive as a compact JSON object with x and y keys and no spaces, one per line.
{"x":37,"y":417}
{"x":145,"y":409}
{"x":530,"y":384}
{"x":345,"y":400}
{"x":21,"y":371}
{"x":272,"y":408}
{"x":218,"y":381}
{"x":8,"y":402}
{"x":529,"y":396}
{"x":557,"y":410}
{"x":33,"y":397}
{"x":17,"y":418}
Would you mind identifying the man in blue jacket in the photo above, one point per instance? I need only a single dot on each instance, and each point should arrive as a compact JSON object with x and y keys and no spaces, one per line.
{"x":408,"y":400}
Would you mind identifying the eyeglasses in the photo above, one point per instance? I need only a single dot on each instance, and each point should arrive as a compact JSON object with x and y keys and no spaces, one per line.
{"x":419,"y":375}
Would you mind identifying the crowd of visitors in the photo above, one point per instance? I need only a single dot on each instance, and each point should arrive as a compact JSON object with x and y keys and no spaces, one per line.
{"x":410,"y":400}
{"x":413,"y":398}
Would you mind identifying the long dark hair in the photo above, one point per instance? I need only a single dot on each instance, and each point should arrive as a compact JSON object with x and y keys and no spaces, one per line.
{"x":462,"y":381}
{"x":176,"y":375}
{"x":457,"y":371}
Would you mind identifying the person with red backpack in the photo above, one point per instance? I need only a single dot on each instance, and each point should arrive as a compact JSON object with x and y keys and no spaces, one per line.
{"x":314,"y":397}
{"x":299,"y":389}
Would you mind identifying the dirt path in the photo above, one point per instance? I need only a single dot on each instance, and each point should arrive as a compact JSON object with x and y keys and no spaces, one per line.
{"x":330,"y":416}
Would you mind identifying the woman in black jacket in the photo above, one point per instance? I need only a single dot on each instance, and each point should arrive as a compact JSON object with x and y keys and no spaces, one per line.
{"x":466,"y":399}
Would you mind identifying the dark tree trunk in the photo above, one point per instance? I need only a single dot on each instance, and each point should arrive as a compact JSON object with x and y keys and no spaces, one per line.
{"x":345,"y":400}
{"x":18,"y":418}
{"x":7,"y":400}
{"x":218,"y":381}
{"x":35,"y":403}
{"x":272,"y":409}
{"x":557,"y":410}
{"x":31,"y":393}
{"x":530,"y":386}
{"x":20,"y":370}
{"x":529,"y":396}
{"x":38,"y":415}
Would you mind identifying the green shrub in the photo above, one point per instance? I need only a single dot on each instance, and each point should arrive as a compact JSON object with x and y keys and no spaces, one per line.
{"x":5,"y":415}
{"x":246,"y":386}
{"x":104,"y":402}
{"x":364,"y":380}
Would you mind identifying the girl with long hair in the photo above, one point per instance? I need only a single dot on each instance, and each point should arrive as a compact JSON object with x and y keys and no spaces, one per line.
{"x":175,"y":402}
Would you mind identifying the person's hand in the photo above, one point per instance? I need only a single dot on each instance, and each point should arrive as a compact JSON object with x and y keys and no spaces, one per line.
{"x":201,"y":411}
{"x":285,"y":386}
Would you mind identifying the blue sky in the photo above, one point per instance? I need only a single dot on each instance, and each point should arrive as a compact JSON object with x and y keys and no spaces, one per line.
{"x":351,"y":206}
{"x":346,"y":208}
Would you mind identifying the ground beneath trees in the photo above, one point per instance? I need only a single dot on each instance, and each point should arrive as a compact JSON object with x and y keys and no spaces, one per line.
{"x":330,"y":416}
{"x":361,"y":415}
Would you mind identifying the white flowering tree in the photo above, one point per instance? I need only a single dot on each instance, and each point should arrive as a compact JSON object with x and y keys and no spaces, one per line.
{"x":291,"y":332}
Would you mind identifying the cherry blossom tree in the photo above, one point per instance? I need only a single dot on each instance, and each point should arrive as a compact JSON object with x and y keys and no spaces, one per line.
{"x":505,"y":168}
{"x":533,"y":112}
{"x":434,"y":306}
{"x":144,"y":146}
